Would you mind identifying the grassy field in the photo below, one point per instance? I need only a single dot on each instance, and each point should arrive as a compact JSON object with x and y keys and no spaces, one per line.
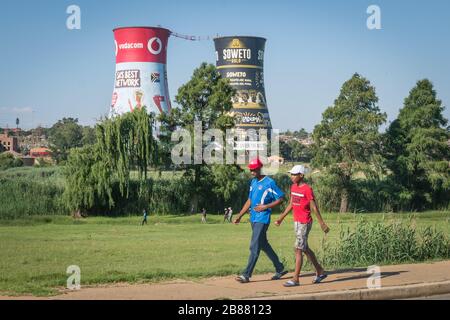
{"x":35,"y":252}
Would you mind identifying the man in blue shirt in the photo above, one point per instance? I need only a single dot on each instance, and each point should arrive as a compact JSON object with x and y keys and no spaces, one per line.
{"x":264,"y":194}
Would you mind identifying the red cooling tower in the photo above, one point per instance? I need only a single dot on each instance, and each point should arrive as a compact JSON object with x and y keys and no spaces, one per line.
{"x":141,"y":72}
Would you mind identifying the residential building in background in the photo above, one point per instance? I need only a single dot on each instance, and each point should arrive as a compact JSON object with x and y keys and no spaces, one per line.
{"x":9,"y":143}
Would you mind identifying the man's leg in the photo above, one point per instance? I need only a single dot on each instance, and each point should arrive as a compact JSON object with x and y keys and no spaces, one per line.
{"x":301,"y":246}
{"x":298,"y":264}
{"x":312,"y":257}
{"x":254,"y":249}
{"x":268,"y":250}
{"x":303,"y":233}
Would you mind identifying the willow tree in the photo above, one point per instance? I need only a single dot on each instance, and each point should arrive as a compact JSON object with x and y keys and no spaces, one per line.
{"x":347,"y":140}
{"x":123,"y":143}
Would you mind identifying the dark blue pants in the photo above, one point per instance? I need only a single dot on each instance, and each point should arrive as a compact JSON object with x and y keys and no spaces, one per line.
{"x":259,"y":242}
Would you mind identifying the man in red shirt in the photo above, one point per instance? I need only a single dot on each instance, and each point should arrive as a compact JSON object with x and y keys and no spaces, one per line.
{"x":301,"y":201}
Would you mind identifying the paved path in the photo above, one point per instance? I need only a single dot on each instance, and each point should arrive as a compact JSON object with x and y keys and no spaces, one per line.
{"x":261,"y":287}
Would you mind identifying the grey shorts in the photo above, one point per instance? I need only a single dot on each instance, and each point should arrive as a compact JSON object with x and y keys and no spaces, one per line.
{"x":301,"y":235}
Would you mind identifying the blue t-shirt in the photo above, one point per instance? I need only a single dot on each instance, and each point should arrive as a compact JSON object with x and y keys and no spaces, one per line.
{"x":263,"y":192}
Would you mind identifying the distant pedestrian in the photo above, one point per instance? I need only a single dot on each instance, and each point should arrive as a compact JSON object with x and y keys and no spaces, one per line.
{"x":203,"y":215}
{"x":225,"y":214}
{"x":230,"y":214}
{"x":145,"y":217}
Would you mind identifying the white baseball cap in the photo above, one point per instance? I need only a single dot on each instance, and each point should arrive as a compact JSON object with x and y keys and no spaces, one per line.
{"x":298,"y":169}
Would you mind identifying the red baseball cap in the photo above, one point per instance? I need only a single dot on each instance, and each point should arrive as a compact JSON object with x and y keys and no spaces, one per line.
{"x":255,"y":164}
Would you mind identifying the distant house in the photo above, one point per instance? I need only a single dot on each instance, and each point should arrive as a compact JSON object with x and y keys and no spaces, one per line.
{"x":9,"y":143}
{"x":40,"y":153}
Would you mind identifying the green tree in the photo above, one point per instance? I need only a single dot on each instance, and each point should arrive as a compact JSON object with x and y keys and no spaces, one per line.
{"x":88,"y":135}
{"x":206,"y":97}
{"x":347,"y":139}
{"x":417,"y":150}
{"x":7,"y":161}
{"x":88,"y":179}
{"x":293,"y":150}
{"x":301,"y":134}
{"x":226,"y":180}
{"x":298,"y":151}
{"x":65,"y":135}
{"x":286,"y":150}
{"x":123,"y":143}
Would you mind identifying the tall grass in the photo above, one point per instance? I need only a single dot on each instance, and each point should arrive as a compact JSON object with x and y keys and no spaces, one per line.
{"x":376,"y":242}
{"x":30,"y":191}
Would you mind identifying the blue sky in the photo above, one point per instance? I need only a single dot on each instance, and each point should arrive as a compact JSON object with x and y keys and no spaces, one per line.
{"x":49,"y":72}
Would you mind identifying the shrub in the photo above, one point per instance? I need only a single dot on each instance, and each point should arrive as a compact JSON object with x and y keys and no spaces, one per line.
{"x":378,"y":243}
{"x":7,"y":161}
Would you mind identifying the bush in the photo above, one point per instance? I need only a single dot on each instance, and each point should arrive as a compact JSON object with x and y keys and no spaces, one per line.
{"x":167,"y":196}
{"x":378,"y":243}
{"x":7,"y":161}
{"x":162,"y":196}
{"x":42,"y":163}
{"x":327,"y":192}
{"x":30,"y":191}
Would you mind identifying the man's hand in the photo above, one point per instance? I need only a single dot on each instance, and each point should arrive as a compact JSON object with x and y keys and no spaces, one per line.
{"x":324,"y":227}
{"x":260,"y":207}
{"x":278,"y":222}
{"x":237,"y":220}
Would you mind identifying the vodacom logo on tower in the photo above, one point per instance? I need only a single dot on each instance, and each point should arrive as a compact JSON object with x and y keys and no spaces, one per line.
{"x":154,"y":45}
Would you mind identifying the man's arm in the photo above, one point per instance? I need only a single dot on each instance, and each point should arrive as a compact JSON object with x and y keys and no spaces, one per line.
{"x":319,"y":216}
{"x":285,"y":213}
{"x":263,"y":207}
{"x":243,"y":211}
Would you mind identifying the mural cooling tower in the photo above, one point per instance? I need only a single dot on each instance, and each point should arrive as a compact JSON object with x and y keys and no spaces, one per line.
{"x":141,"y":73}
{"x":241,"y":60}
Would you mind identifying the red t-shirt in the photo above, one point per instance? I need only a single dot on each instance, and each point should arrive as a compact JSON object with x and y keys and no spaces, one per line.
{"x":301,"y":197}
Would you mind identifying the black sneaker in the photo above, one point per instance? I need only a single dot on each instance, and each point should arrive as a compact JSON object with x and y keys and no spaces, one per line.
{"x":278,"y":275}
